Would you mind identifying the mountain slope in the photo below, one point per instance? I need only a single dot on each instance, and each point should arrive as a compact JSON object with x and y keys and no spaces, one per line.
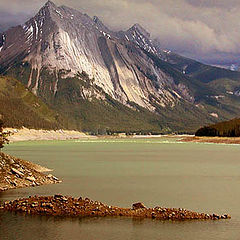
{"x":19,"y":107}
{"x":98,"y":78}
{"x":189,"y":67}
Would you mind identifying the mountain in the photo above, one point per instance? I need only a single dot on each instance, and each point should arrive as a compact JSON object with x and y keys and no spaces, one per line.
{"x":122,"y":81}
{"x":60,"y":38}
{"x":222,"y":129}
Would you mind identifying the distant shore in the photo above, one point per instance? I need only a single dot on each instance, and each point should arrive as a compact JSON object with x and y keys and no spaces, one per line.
{"x":220,"y":140}
{"x":25,"y":134}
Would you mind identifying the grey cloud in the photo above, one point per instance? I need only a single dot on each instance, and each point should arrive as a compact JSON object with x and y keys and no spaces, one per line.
{"x":8,"y":19}
{"x":204,"y":30}
{"x":214,"y":3}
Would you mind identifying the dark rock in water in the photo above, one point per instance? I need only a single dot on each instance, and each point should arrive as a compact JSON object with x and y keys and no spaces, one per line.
{"x":227,"y":216}
{"x":57,"y":196}
{"x":138,"y":205}
{"x":215,"y":216}
{"x":154,"y":215}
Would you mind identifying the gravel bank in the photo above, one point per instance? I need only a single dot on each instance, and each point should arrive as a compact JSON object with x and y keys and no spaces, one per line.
{"x":223,"y":140}
{"x":59,"y":205}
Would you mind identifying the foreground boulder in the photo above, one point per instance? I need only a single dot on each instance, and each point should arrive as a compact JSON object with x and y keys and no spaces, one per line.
{"x":138,"y":206}
{"x":59,"y":205}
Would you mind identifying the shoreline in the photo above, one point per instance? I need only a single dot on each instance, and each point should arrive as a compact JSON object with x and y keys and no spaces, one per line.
{"x":17,"y":173}
{"x":25,"y":134}
{"x":217,"y":140}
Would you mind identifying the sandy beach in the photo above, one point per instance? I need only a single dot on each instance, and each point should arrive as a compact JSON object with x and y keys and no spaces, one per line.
{"x":25,"y":134}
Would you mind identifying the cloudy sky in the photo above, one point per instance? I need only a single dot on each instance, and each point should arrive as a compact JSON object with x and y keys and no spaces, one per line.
{"x":207,"y":30}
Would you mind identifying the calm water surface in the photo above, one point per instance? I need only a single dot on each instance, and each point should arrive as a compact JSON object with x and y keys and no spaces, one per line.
{"x":200,"y":177}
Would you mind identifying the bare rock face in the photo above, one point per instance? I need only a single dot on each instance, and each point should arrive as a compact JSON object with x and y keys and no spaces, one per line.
{"x":64,"y":40}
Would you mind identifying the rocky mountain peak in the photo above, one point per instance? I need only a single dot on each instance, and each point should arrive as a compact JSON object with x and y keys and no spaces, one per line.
{"x":64,"y":40}
{"x":100,"y":26}
{"x":45,"y":12}
{"x":50,"y":4}
{"x":139,"y":36}
{"x":137,"y":27}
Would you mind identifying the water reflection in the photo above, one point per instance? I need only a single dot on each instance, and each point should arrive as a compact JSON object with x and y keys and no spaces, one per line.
{"x":19,"y":226}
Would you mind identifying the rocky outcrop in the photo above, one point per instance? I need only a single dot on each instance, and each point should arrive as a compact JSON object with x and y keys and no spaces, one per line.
{"x":138,"y":206}
{"x":59,"y":205}
{"x":17,"y":173}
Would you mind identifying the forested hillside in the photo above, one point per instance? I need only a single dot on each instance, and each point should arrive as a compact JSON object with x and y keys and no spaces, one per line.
{"x":19,"y":107}
{"x":223,"y":129}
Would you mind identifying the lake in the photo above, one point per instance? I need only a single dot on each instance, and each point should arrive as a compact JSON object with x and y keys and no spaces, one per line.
{"x":119,"y":172}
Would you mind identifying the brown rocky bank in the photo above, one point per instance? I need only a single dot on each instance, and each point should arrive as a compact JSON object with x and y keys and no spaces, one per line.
{"x":59,"y":205}
{"x":17,"y":173}
{"x":220,"y":140}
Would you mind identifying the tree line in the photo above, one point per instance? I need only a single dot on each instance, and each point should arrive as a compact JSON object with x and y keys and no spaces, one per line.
{"x":223,"y":129}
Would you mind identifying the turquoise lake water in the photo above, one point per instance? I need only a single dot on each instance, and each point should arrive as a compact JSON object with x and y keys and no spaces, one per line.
{"x":158,"y":172}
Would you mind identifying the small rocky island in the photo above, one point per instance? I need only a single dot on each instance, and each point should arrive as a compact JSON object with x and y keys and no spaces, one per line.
{"x":59,"y":205}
